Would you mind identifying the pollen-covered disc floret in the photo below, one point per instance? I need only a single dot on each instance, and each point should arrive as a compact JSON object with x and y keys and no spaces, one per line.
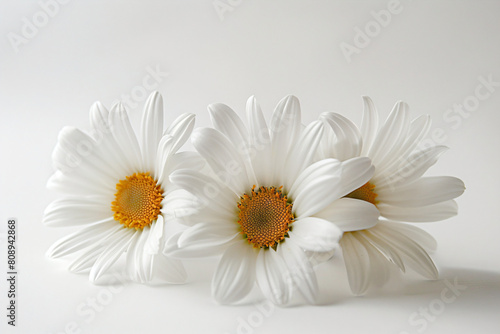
{"x":365,"y":193}
{"x":137,"y":201}
{"x":265,"y":217}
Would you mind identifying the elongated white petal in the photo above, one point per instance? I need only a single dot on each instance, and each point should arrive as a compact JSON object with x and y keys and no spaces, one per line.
{"x":111,"y":254}
{"x":181,"y":130}
{"x":315,"y":188}
{"x":410,"y":169}
{"x":300,"y":270}
{"x":203,"y":247}
{"x":315,"y":234}
{"x":82,"y":239}
{"x":416,"y":234}
{"x":355,"y":173}
{"x":229,"y":123}
{"x":428,"y":213}
{"x":392,"y":134}
{"x":211,"y":193}
{"x":125,"y":136}
{"x":348,"y":140}
{"x":357,"y":263}
{"x":379,"y":241}
{"x":350,"y":214}
{"x":285,"y":129}
{"x":425,"y":191}
{"x":152,"y":129}
{"x":76,"y":154}
{"x":234,"y":277}
{"x":155,"y":235}
{"x":223,"y":158}
{"x":303,"y":154}
{"x":414,"y":255}
{"x":272,"y":274}
{"x":260,"y":143}
{"x":369,"y":125}
{"x":84,"y":261}
{"x":76,"y":211}
{"x":418,"y":129}
{"x":210,"y":232}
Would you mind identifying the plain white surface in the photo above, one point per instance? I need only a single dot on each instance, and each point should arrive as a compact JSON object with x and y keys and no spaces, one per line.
{"x":430,"y":54}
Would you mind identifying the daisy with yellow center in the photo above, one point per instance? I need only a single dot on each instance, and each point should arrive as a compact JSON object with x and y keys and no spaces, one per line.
{"x":117,"y":188}
{"x":259,"y":204}
{"x":397,"y":189}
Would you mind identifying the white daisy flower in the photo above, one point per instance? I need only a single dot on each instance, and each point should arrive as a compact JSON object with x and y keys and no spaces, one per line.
{"x":118,"y":189}
{"x":397,"y":189}
{"x":259,"y":210}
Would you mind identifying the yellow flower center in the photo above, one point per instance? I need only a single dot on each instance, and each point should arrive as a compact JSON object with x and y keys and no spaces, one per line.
{"x":137,"y":201}
{"x":365,"y":192}
{"x":265,"y":216}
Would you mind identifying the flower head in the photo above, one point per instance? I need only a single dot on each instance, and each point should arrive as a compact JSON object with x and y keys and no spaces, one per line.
{"x":117,"y":188}
{"x":258,"y":206}
{"x":397,"y":189}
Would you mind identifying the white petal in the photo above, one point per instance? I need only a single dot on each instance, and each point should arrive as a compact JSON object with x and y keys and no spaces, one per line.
{"x":350,"y":214}
{"x":355,"y":173}
{"x":79,"y":185}
{"x":85,"y":261}
{"x":369,"y":125}
{"x":385,"y":247}
{"x":416,"y":234}
{"x":285,"y":130}
{"x":155,"y":235}
{"x":425,"y":191}
{"x":348,"y":140}
{"x":271,"y":274}
{"x":418,"y":129}
{"x":315,"y":187}
{"x":260,"y":143}
{"x":141,"y":262}
{"x":315,"y":234}
{"x":410,"y":169}
{"x":302,"y":155}
{"x":76,"y":154}
{"x":392,"y":134}
{"x":414,"y":255}
{"x":181,"y":130}
{"x":428,"y":213}
{"x":211,"y":193}
{"x":223,"y":158}
{"x":83,"y":238}
{"x":229,"y":123}
{"x":202,"y":248}
{"x":184,"y":160}
{"x":210,"y":232}
{"x":152,"y":129}
{"x":75,"y":211}
{"x":357,"y":263}
{"x":300,"y":270}
{"x":125,"y":137}
{"x":111,"y":254}
{"x":234,"y":277}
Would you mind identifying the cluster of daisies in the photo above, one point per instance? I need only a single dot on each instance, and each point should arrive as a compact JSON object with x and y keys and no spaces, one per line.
{"x":271,"y":199}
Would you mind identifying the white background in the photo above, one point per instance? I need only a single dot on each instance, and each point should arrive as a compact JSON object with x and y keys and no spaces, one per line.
{"x":430,"y":54}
